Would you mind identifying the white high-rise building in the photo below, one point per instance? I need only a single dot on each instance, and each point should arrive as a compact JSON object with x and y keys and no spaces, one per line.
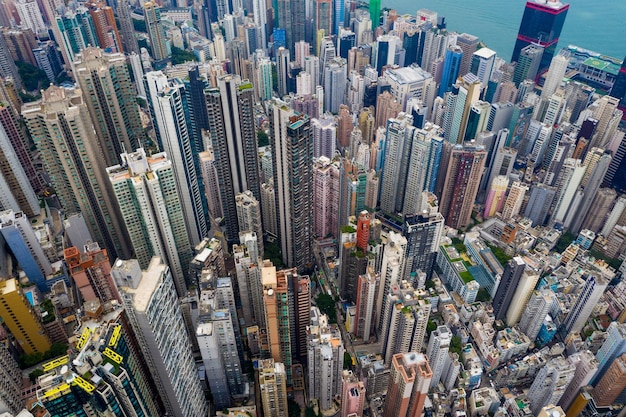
{"x":524,"y":289}
{"x":324,"y":136}
{"x":325,"y":357}
{"x":249,"y":217}
{"x":168,"y":113}
{"x":30,"y":15}
{"x":586,"y":366}
{"x":437,"y":352}
{"x":152,"y":307}
{"x":514,"y":200}
{"x":391,"y":270}
{"x":550,"y":383}
{"x":585,"y":303}
{"x":151,"y":206}
{"x":556,"y":72}
{"x":482,"y":64}
{"x":536,"y":311}
{"x":273,"y":388}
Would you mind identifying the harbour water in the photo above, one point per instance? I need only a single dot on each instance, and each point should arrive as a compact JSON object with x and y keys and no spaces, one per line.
{"x":595,"y":25}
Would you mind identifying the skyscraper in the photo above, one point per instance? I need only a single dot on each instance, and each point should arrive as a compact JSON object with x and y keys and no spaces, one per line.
{"x":352,"y":395}
{"x":585,"y":303}
{"x":550,"y":383}
{"x":20,"y":318}
{"x":62,"y":131}
{"x":409,"y":383}
{"x":150,"y":201}
{"x":290,"y":138}
{"x":272,"y":384}
{"x":438,"y":347}
{"x":233,"y":134}
{"x":541,"y":24}
{"x":91,"y":272}
{"x":110,"y":97}
{"x":105,"y":26}
{"x":156,"y":32}
{"x":506,"y":288}
{"x":612,"y":383}
{"x":526,"y":285}
{"x":536,"y":310}
{"x":325,"y":197}
{"x":10,"y":382}
{"x":527,"y":63}
{"x":171,"y":119}
{"x":151,"y":304}
{"x":374,"y":7}
{"x":127,"y":30}
{"x":465,"y":169}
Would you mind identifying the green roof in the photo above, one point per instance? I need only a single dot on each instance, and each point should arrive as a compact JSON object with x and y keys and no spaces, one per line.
{"x":601,"y":65}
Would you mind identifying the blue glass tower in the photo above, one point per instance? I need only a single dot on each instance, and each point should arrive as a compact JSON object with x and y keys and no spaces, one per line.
{"x":338,"y":18}
{"x":451,"y":67}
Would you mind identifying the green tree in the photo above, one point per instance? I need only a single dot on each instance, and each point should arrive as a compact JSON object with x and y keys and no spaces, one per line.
{"x":310,"y":412}
{"x":347,"y":360}
{"x":326,"y":304}
{"x":455,"y":345}
{"x":293,"y":408}
{"x":262,"y":137}
{"x":180,"y":56}
{"x":35,"y":374}
{"x":32,"y":77}
{"x":483,"y":295}
{"x":140,"y":25}
{"x":430,"y":327}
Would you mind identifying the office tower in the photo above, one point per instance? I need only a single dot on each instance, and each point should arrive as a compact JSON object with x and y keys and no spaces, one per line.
{"x":451,"y":67}
{"x":612,"y":348}
{"x":290,"y":138}
{"x":324,"y":136}
{"x":514,"y":200}
{"x":599,"y":210}
{"x":411,"y":376}
{"x":506,"y":288}
{"x":352,"y":395}
{"x":541,"y":24}
{"x":554,"y":77}
{"x":585,"y":303}
{"x":334,"y":84}
{"x":477,"y":120}
{"x":586,"y":366}
{"x":482,"y":64}
{"x":463,"y":174}
{"x":151,"y":304}
{"x":20,"y":318}
{"x":111,"y":99}
{"x":282,"y":71}
{"x":619,"y":87}
{"x":384,"y":51}
{"x":495,"y":196}
{"x":151,"y":205}
{"x":404,"y":321}
{"x":16,"y":192}
{"x":535,"y":312}
{"x":273,"y":388}
{"x":326,"y":177}
{"x":249,"y":217}
{"x":10,"y":382}
{"x":374,"y":8}
{"x":468,"y":44}
{"x":105,"y":26}
{"x":290,"y":16}
{"x":612,"y":383}
{"x":550,"y":383}
{"x":170,"y":112}
{"x":277,"y":314}
{"x":437,"y":352}
{"x":127,"y":31}
{"x":325,"y":360}
{"x":91,"y":272}
{"x":367,"y":289}
{"x":423,"y":233}
{"x":59,"y":125}
{"x":233,"y":133}
{"x":608,"y":116}
{"x":590,"y":189}
{"x":156,"y":32}
{"x":539,"y":204}
{"x":528,"y":63}
{"x":468,"y":94}
{"x":526,"y":284}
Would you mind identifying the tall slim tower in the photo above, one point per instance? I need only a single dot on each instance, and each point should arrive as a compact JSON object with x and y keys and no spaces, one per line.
{"x":550,"y":383}
{"x":127,"y":32}
{"x":19,"y":316}
{"x":60,"y":127}
{"x":541,"y":24}
{"x":410,"y":379}
{"x":438,"y":347}
{"x":156,"y":32}
{"x":465,"y":169}
{"x":506,"y":288}
{"x":152,"y":307}
{"x":273,"y":387}
{"x":146,"y":191}
{"x":170,"y":112}
{"x":291,"y":140}
{"x":612,"y":383}
{"x":111,"y":99}
{"x":585,"y":303}
{"x":105,"y":26}
{"x":375,"y":13}
{"x":233,"y":134}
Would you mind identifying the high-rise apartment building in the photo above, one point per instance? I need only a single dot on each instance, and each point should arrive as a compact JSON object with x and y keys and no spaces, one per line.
{"x":551,"y":383}
{"x":541,"y":24}
{"x":409,"y":382}
{"x":586,"y":366}
{"x":495,"y":196}
{"x":10,"y":382}
{"x":463,"y":175}
{"x":612,"y":384}
{"x":151,"y":205}
{"x":156,"y":32}
{"x":437,"y":352}
{"x":75,"y":29}
{"x":506,"y":288}
{"x":613,"y":347}
{"x":249,"y":217}
{"x":233,"y":134}
{"x":152,"y":307}
{"x":292,"y":151}
{"x":91,"y":273}
{"x":171,"y":118}
{"x":110,"y":96}
{"x":325,"y":197}
{"x":60,"y":126}
{"x":352,"y":395}
{"x":273,"y":387}
{"x":535,"y":312}
{"x":324,"y":136}
{"x":585,"y":303}
{"x":325,"y":359}
{"x":127,"y":31}
{"x":19,"y":316}
{"x":30,"y":15}
{"x":514,"y":200}
{"x":526,"y":284}
{"x":105,"y":26}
